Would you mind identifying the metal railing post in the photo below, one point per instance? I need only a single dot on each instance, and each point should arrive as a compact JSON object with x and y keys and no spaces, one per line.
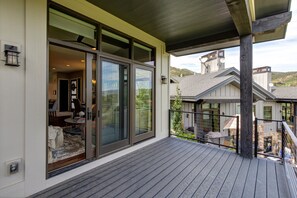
{"x":237,"y":134}
{"x":283,"y":143}
{"x":169,"y":123}
{"x":256,"y":137}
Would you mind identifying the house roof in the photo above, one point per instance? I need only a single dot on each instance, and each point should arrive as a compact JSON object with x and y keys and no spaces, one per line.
{"x":194,"y":87}
{"x":189,"y":26}
{"x":285,"y":93}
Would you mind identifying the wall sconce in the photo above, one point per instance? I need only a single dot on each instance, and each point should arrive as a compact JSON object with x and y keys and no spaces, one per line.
{"x":163,"y":79}
{"x":11,"y":55}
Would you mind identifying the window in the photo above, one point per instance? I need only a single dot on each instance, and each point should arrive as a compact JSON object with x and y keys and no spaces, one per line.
{"x":67,"y":28}
{"x":267,"y":112}
{"x":115,"y":44}
{"x":210,"y":118}
{"x":143,"y":101}
{"x":143,"y":54}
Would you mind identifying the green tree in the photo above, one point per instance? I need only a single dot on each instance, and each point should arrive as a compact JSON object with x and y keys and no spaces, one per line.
{"x":177,"y":124}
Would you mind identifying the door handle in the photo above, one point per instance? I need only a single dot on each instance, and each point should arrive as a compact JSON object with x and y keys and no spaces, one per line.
{"x":89,"y":114}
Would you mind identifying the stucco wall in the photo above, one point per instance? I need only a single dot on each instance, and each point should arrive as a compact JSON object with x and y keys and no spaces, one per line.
{"x":12,"y":91}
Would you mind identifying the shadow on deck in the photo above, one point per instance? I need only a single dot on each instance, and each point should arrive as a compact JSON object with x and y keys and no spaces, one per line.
{"x":177,"y":168}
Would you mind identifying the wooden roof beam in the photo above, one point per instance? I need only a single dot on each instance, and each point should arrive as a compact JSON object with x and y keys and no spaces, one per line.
{"x":271,"y":23}
{"x":241,"y":15}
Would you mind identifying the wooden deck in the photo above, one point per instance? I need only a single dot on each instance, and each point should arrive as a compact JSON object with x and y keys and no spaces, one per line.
{"x":178,"y":168}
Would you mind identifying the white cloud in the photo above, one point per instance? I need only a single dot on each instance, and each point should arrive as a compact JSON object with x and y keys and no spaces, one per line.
{"x":280,"y":55}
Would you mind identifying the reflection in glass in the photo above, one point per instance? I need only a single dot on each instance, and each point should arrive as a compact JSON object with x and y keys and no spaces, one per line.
{"x":70,"y":29}
{"x":143,"y":101}
{"x":143,"y":54}
{"x":114,"y":102}
{"x":115,"y":44}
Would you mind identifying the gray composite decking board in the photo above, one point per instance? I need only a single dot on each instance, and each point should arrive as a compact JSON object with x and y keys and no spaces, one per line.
{"x":203,"y":188}
{"x":164,"y":177}
{"x":249,"y":188}
{"x":219,"y":180}
{"x":167,"y":184}
{"x":109,"y":172}
{"x":138,"y":180}
{"x":149,"y":183}
{"x":177,"y":168}
{"x":176,"y":192}
{"x":123,"y":176}
{"x":238,"y":187}
{"x":180,"y":170}
{"x":261,"y":180}
{"x":148,"y":166}
{"x":190,"y":190}
{"x":179,"y":187}
{"x":283,"y":190}
{"x":143,"y":152}
{"x":226,"y":188}
{"x":272,"y":188}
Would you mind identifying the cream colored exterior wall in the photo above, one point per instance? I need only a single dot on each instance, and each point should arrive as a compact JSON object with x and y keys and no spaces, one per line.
{"x":24,"y":93}
{"x":12,"y":91}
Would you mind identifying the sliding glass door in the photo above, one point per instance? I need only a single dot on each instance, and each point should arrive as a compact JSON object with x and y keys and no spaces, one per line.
{"x":72,"y":101}
{"x":144,"y":103}
{"x":114,"y":132}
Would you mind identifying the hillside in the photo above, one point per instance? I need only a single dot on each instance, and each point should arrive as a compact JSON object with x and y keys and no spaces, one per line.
{"x":286,"y":79}
{"x":180,"y":72}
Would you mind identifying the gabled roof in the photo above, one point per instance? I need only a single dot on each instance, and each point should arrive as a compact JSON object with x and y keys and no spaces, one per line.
{"x":285,"y":93}
{"x":194,"y":87}
{"x":188,"y":26}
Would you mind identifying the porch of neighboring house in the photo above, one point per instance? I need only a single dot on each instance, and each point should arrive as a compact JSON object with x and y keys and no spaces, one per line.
{"x":178,"y":168}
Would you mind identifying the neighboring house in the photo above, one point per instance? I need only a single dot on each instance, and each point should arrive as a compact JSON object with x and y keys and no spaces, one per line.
{"x":218,"y":92}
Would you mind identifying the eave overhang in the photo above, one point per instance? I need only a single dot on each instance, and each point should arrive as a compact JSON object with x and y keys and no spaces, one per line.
{"x":188,"y":27}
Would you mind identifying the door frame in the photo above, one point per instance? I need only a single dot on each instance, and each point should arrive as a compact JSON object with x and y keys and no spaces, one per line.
{"x":112,"y":147}
{"x":137,"y":138}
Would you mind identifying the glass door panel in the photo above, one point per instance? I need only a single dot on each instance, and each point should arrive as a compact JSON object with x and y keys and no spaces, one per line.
{"x":70,"y":119}
{"x":114,"y":106}
{"x":143,"y":104}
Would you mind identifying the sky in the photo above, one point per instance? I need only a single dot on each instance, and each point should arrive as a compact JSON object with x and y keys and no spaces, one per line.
{"x":280,"y":55}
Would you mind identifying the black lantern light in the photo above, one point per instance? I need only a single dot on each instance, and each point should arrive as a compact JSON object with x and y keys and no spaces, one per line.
{"x":12,"y":55}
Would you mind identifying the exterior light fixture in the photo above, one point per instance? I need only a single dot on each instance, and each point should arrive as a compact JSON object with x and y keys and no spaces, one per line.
{"x":164,"y":79}
{"x":11,"y":55}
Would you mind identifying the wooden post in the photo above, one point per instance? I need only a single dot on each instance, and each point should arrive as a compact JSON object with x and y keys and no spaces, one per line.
{"x":246,"y":96}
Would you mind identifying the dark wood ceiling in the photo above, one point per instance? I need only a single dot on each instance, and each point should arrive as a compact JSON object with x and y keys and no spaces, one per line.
{"x":190,"y":26}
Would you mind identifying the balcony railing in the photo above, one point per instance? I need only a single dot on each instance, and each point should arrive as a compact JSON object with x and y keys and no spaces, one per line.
{"x":275,"y":140}
{"x":208,"y":128}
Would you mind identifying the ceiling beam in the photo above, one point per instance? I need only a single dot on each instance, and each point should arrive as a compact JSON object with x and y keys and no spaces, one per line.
{"x":240,"y":13}
{"x":266,"y":24}
{"x":202,"y":42}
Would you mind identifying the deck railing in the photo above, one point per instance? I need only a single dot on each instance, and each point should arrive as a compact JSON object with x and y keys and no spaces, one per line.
{"x":208,"y":128}
{"x":289,"y":157}
{"x":275,"y":140}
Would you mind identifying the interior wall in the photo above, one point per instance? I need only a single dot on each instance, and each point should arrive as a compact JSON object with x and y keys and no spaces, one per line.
{"x":12,"y":100}
{"x":53,"y":86}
